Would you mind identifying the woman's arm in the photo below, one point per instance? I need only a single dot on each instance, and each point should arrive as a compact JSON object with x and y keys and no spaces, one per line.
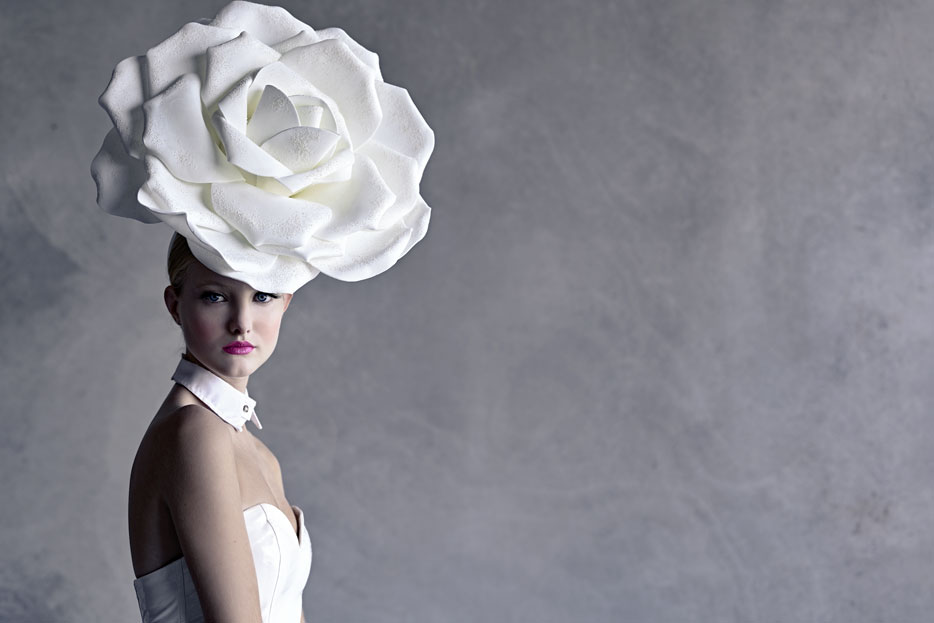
{"x":202,"y":492}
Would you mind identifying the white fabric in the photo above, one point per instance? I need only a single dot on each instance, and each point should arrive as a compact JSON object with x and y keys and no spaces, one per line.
{"x":228,"y":402}
{"x":282,"y":560}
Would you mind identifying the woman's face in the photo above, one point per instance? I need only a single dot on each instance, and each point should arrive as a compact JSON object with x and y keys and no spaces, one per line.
{"x":215,"y":312}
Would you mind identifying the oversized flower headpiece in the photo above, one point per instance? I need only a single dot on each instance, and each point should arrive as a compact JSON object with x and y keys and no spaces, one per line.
{"x":276,"y":150}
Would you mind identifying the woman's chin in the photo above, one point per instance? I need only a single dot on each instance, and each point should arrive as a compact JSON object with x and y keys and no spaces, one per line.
{"x":230,"y":366}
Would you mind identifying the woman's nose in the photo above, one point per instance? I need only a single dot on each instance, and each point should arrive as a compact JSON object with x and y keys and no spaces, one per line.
{"x":240,"y":320}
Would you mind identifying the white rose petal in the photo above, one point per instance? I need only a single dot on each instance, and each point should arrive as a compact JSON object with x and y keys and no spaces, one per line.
{"x":233,"y":106}
{"x":176,"y":134}
{"x":237,"y":254}
{"x":406,"y":130}
{"x":118,"y":177}
{"x":400,"y":173}
{"x":370,"y":59}
{"x":269,"y":24}
{"x":273,"y":114}
{"x":338,"y":169}
{"x":417,"y":220}
{"x":228,"y":62}
{"x":333,"y":68}
{"x":305,"y":37}
{"x":246,"y":154}
{"x":123,"y":101}
{"x":266,"y":219}
{"x":178,"y":55}
{"x":163,"y":193}
{"x":299,"y":90}
{"x":367,"y":253}
{"x":301,"y":149}
{"x":311,"y":112}
{"x":359,"y":203}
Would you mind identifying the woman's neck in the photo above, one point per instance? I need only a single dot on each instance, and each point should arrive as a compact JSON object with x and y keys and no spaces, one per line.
{"x":238,"y":382}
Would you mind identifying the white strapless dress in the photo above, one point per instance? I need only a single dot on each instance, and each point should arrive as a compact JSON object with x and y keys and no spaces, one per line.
{"x":282,"y":560}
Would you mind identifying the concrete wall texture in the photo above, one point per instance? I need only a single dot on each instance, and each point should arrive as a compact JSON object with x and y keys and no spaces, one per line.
{"x":665,"y":355}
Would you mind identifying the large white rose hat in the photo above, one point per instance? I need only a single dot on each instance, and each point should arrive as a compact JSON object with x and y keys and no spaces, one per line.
{"x":276,"y":150}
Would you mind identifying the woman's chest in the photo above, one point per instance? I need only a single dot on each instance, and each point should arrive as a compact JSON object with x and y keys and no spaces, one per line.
{"x":260,"y":482}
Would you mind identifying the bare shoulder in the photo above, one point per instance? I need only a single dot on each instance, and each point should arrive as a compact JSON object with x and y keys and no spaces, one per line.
{"x":190,"y":424}
{"x":193,"y":429}
{"x":196,"y":423}
{"x":194,"y":444}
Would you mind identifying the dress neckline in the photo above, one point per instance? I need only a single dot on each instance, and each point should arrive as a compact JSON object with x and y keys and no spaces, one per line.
{"x":262,"y":505}
{"x":299,"y":518}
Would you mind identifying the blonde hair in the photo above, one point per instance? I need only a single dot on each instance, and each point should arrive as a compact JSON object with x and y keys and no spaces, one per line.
{"x":178,"y":260}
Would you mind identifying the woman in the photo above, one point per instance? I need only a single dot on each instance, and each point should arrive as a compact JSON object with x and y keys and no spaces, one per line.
{"x":201,"y":483}
{"x":275,"y":152}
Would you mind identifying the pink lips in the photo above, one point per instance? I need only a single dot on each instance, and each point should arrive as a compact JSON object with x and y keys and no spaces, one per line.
{"x":238,"y":348}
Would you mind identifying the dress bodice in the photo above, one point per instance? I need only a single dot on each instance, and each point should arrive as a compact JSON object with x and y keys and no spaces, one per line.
{"x":282,"y":560}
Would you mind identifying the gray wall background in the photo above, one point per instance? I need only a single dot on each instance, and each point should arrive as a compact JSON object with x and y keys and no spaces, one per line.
{"x":665,"y":354}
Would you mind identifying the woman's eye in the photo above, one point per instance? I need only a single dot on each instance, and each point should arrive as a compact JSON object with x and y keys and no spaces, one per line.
{"x":264,"y":297}
{"x":212,"y":297}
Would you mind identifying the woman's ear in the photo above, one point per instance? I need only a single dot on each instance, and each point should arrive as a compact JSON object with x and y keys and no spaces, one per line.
{"x":288,"y":299}
{"x":171,"y":303}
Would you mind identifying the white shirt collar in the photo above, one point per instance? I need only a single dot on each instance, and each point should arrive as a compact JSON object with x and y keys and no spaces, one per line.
{"x":228,"y":402}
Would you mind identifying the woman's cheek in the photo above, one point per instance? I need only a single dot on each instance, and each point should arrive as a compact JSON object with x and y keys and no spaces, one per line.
{"x":270,"y":329}
{"x":204,"y":328}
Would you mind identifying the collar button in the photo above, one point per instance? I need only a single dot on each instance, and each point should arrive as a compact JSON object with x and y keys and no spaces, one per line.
{"x":246,"y":408}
